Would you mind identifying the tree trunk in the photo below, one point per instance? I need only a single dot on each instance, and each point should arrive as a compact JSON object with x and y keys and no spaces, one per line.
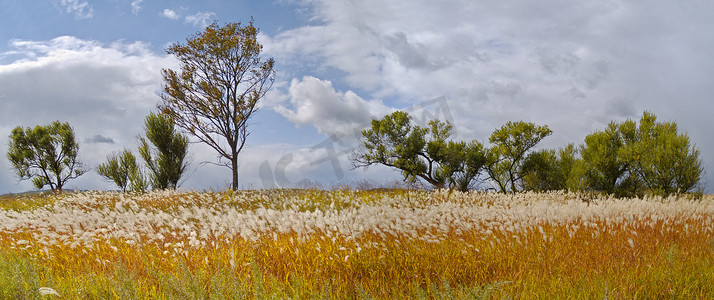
{"x":513,"y":186}
{"x":58,"y":188}
{"x":513,"y":181}
{"x":234,"y":169}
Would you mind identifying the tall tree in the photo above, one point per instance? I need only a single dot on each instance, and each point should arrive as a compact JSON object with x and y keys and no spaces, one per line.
{"x":218,"y":88}
{"x":45,"y":154}
{"x":665,"y":160}
{"x":510,"y":143}
{"x":420,"y":153}
{"x":630,"y":159}
{"x":166,"y":160}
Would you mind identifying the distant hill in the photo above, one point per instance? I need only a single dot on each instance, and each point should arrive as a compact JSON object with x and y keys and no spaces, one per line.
{"x":24,"y":194}
{"x":34,"y":193}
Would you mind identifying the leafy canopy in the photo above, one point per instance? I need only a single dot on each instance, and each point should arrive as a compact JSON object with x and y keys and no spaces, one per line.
{"x":549,"y":170}
{"x":122,"y":169}
{"x":217,"y":90}
{"x":630,"y":159}
{"x":510,"y":144}
{"x":605,"y":169}
{"x":166,"y":160}
{"x":45,"y":154}
{"x":420,"y":153}
{"x":664,"y":159}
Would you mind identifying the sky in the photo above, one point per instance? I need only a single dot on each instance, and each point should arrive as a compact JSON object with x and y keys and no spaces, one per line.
{"x":572,"y":65}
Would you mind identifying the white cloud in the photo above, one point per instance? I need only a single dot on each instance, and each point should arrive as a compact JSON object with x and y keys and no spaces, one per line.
{"x":335,"y":114}
{"x":102,"y":91}
{"x":572,"y":65}
{"x":170,"y":14}
{"x":136,"y":6}
{"x":80,"y":9}
{"x":286,"y":166}
{"x":200,"y":19}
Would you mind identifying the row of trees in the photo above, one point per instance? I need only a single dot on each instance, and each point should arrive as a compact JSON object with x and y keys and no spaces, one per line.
{"x":222,"y":79}
{"x":217,"y":90}
{"x":47,"y":155}
{"x":625,"y":159}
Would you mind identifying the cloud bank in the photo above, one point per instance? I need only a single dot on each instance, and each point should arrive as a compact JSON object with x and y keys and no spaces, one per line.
{"x":103,"y":91}
{"x":574,"y":66}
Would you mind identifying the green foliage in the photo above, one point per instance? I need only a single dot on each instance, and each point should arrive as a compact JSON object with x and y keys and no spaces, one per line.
{"x":463,"y":165}
{"x":511,"y":142}
{"x":122,"y":169}
{"x":550,"y":170}
{"x":166,"y":159}
{"x":47,"y":155}
{"x":421,"y":153}
{"x":631,"y":159}
{"x":222,"y":78}
{"x":662,"y":158}
{"x":605,"y":170}
{"x":624,"y":159}
{"x":576,"y":180}
{"x":138,"y":181}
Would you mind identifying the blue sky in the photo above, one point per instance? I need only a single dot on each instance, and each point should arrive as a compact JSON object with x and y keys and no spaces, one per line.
{"x":574,"y":66}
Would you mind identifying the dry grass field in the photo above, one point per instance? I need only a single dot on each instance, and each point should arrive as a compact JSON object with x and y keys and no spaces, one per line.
{"x":381,"y":244}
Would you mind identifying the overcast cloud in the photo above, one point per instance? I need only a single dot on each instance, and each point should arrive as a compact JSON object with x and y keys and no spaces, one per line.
{"x":574,"y":66}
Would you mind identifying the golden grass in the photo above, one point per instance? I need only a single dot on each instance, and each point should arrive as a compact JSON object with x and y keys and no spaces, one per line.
{"x":356,"y":244}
